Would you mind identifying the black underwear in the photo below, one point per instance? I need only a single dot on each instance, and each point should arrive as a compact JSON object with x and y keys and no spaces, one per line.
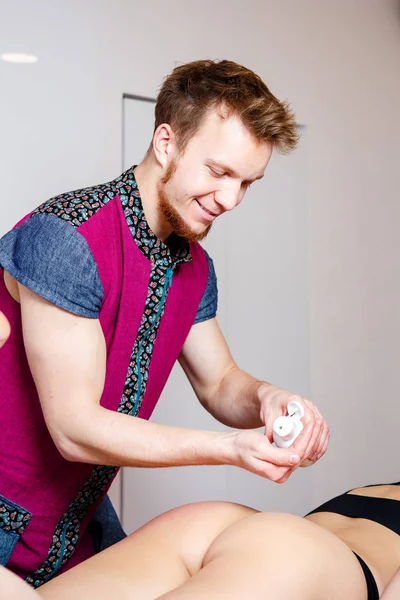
{"x":372,"y":588}
{"x":384,"y":511}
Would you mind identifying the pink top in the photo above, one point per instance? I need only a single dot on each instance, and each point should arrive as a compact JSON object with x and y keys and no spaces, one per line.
{"x":145,"y":320}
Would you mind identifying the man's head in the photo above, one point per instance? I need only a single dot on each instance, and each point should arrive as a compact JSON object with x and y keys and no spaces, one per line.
{"x":216,"y":124}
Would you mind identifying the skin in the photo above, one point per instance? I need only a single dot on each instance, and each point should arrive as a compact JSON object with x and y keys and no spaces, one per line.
{"x":392,"y":592}
{"x":4,"y":329}
{"x":214,"y":172}
{"x":222,"y":550}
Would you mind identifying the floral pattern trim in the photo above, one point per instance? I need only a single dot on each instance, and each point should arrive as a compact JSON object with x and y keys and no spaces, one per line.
{"x":66,"y":534}
{"x":13,"y":518}
{"x":76,"y":208}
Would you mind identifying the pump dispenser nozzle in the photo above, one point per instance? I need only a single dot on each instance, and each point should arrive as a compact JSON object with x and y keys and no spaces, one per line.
{"x":286,"y":429}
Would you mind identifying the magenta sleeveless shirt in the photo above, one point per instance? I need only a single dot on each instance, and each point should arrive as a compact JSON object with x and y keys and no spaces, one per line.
{"x":151,"y":295}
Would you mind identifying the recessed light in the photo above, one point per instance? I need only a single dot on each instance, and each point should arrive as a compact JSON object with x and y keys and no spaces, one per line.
{"x":19,"y":57}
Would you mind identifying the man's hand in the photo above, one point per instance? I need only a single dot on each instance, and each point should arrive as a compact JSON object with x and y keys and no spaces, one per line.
{"x":255,"y":453}
{"x":4,"y":329}
{"x":273,"y":404}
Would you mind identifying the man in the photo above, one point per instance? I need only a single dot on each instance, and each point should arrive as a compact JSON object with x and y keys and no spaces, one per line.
{"x":106,"y":287}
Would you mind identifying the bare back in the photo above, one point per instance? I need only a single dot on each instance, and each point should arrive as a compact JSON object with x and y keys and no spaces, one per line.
{"x":367,"y":538}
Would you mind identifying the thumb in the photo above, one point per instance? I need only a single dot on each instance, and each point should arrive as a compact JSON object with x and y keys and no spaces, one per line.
{"x":282,"y":457}
{"x":269,"y":424}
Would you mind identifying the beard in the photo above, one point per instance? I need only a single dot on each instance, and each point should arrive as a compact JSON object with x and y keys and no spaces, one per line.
{"x":171,"y":214}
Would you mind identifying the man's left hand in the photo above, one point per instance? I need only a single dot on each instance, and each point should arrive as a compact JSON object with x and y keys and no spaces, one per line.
{"x":273,"y":404}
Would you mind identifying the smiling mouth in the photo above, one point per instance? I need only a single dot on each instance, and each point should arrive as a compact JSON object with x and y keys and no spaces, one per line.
{"x":206,"y":210}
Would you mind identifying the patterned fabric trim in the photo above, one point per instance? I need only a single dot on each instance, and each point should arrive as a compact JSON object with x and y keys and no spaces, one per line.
{"x":150,"y":244}
{"x":138,"y":371}
{"x":66,"y":534}
{"x":13,"y":518}
{"x":77,"y":207}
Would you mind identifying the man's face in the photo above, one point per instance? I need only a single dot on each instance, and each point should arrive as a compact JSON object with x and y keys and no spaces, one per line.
{"x":219,"y":164}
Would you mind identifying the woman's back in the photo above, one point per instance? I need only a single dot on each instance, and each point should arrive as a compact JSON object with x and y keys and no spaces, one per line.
{"x":368,"y":521}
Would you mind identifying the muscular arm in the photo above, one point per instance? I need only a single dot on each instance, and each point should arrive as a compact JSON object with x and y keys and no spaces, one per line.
{"x":225,"y":390}
{"x":233,"y":396}
{"x":67,"y":358}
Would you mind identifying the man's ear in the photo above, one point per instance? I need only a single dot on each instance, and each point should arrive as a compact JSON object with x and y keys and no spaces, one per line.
{"x":164,"y":144}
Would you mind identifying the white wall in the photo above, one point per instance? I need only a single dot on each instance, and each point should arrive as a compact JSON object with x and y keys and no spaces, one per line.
{"x":338,"y":62}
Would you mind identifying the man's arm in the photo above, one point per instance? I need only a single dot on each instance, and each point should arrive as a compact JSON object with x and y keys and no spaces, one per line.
{"x":67,"y":357}
{"x":233,"y":396}
{"x":13,"y":588}
{"x":4,"y":329}
{"x":223,"y":389}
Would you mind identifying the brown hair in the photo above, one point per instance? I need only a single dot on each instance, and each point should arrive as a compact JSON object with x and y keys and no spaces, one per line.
{"x":192,"y":89}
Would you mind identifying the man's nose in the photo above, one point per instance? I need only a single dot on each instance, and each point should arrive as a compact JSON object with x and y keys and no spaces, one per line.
{"x":228,"y":198}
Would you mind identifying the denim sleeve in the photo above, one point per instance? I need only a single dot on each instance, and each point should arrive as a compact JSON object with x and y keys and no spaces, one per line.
{"x":209,"y":302}
{"x":50,"y":257}
{"x":105,"y":527}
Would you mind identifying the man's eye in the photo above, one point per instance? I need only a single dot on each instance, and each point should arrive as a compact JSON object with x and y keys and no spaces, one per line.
{"x":216,"y":173}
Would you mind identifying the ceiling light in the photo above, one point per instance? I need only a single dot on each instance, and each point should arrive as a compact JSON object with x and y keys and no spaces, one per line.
{"x":19,"y":57}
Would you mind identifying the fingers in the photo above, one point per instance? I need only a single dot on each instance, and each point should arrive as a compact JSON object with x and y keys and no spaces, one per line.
{"x":320,"y":446}
{"x":271,"y":471}
{"x":282,"y":457}
{"x":311,"y":411}
{"x":324,"y":441}
{"x":274,"y":402}
{"x":279,"y":463}
{"x":254,"y":452}
{"x":302,"y":447}
{"x":304,"y":443}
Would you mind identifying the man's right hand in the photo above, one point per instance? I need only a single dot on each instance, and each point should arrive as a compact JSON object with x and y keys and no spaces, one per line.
{"x":4,"y":329}
{"x":254,"y":452}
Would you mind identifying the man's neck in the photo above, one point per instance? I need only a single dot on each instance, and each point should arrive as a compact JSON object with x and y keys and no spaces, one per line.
{"x":147,"y":177}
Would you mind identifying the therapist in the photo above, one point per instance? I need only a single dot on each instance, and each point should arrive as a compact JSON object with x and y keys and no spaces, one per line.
{"x":105,"y":288}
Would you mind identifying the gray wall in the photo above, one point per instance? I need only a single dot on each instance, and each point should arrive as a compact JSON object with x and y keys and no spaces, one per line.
{"x":338,"y":63}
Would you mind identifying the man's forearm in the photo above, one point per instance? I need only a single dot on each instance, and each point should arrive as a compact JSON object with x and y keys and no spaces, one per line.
{"x":235,"y":402}
{"x":111,"y":438}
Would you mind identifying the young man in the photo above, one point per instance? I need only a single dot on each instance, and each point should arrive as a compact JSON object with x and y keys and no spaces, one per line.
{"x":105,"y":288}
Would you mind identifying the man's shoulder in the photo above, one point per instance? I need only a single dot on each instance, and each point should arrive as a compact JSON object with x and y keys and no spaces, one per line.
{"x":78,"y":206}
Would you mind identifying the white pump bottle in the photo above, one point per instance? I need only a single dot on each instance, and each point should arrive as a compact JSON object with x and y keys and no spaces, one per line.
{"x":286,"y":429}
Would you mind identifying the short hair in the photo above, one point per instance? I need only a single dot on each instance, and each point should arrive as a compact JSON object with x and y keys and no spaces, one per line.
{"x":192,"y":89}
